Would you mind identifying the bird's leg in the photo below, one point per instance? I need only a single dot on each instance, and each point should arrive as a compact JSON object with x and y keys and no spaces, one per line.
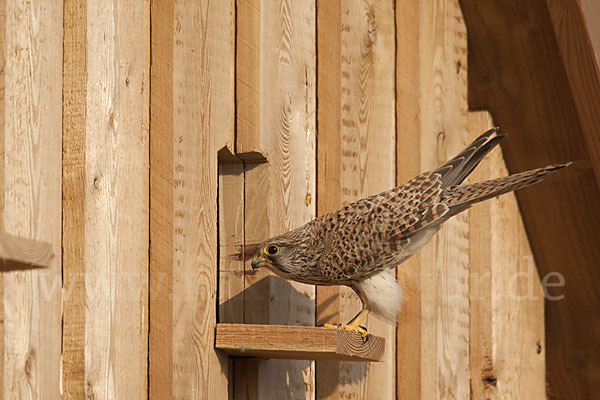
{"x":354,"y":324}
{"x":358,"y":319}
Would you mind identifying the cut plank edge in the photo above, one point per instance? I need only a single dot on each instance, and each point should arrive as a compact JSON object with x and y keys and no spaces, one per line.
{"x":17,"y":253}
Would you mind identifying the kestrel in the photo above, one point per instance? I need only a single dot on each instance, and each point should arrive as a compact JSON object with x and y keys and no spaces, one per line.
{"x":360,"y":245}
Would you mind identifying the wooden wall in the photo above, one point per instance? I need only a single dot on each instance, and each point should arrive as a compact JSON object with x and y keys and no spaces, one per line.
{"x":155,"y":143}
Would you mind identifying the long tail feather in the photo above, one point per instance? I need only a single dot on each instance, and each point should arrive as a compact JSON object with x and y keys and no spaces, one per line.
{"x":459,"y":198}
{"x":455,"y":170}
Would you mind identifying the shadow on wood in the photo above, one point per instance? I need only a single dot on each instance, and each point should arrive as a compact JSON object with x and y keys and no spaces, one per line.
{"x":255,"y":301}
{"x":531,"y":65}
{"x":18,"y":254}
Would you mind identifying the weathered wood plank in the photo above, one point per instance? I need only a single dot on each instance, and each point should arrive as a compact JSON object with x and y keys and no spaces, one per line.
{"x":2,"y":180}
{"x":525,"y":82}
{"x":581,"y":68}
{"x":30,"y":88}
{"x":591,"y":12}
{"x":194,"y":105}
{"x":507,"y":303}
{"x":116,"y":199}
{"x":408,"y":165}
{"x":162,"y":115}
{"x":356,"y":127}
{"x":248,"y":90}
{"x":74,"y":195}
{"x":444,"y":268}
{"x":329,"y":191}
{"x":17,"y":253}
{"x":297,"y":342}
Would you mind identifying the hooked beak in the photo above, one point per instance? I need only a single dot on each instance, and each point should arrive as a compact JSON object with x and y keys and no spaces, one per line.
{"x":257,"y":262}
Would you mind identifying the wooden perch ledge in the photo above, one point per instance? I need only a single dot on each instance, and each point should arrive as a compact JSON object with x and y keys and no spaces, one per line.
{"x":17,"y":253}
{"x":297,"y":342}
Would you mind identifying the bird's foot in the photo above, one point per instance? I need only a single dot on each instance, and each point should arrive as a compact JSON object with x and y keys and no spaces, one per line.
{"x":352,"y":328}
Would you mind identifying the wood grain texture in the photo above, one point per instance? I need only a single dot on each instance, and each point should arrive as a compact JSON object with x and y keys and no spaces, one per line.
{"x":31,"y":91}
{"x":356,"y":129}
{"x":444,"y":261}
{"x":2,"y":180}
{"x":581,"y":67}
{"x":297,"y":342}
{"x":247,"y":76}
{"x":408,"y":165}
{"x":278,"y":194}
{"x":203,"y":122}
{"x":74,"y":196}
{"x":17,"y":253}
{"x":329,"y":190}
{"x":591,"y":10}
{"x":231,"y":243}
{"x":507,"y":303}
{"x":116,"y":211}
{"x":518,"y":71}
{"x":162,"y":114}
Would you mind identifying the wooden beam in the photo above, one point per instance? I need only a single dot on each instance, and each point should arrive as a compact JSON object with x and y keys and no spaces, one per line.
{"x":530,"y":65}
{"x":297,"y":343}
{"x":17,"y":253}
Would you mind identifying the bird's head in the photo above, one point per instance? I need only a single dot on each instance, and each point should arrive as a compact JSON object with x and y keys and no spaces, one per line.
{"x":290,"y":255}
{"x":287,"y":254}
{"x":273,"y":253}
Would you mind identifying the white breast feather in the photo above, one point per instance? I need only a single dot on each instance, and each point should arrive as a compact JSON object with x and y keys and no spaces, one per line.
{"x":381,"y":294}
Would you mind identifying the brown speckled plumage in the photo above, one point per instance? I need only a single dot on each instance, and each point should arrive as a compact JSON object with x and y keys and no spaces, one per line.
{"x":364,"y":238}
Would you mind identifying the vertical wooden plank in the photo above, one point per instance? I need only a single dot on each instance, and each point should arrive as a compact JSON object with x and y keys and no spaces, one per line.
{"x":74,"y":179}
{"x":250,"y":379}
{"x":3,"y":52}
{"x":278,"y":195}
{"x":408,"y":165}
{"x":329,"y":191}
{"x":231,"y":242}
{"x":257,"y":227}
{"x":248,"y":58}
{"x":203,"y":122}
{"x":481,"y":339}
{"x":31,"y":203}
{"x":358,"y":108}
{"x":507,"y":304}
{"x":591,"y":11}
{"x":444,"y":272}
{"x":367,"y":159}
{"x":116,"y":196}
{"x":160,"y":357}
{"x":517,"y":303}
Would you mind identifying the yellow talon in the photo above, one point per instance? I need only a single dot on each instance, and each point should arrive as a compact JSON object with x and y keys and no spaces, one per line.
{"x":363,"y":332}
{"x":354,"y":325}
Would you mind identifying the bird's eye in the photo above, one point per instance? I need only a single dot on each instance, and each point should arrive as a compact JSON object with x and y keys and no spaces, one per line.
{"x":271,"y":250}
